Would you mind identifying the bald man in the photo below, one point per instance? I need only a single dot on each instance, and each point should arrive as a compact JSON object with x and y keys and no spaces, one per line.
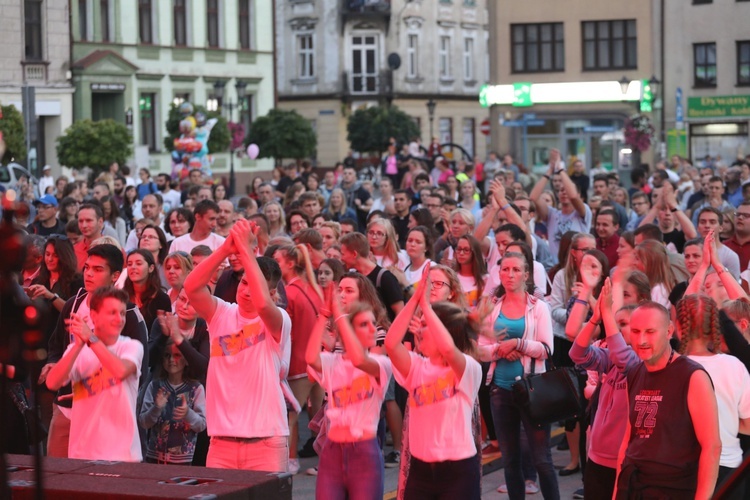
{"x":671,"y":446}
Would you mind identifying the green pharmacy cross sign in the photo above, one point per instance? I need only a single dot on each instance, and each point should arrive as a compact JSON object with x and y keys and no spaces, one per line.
{"x":522,"y":94}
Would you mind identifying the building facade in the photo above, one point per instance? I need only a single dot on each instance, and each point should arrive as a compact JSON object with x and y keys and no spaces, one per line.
{"x":36,"y":54}
{"x":707,"y":84}
{"x":133,"y":59}
{"x":335,"y":56}
{"x":556,"y":73}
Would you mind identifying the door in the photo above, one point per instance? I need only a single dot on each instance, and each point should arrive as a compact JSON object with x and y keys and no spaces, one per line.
{"x":364,"y":64}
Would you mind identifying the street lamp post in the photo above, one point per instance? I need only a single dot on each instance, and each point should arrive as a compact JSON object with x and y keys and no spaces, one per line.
{"x":219,"y":93}
{"x":431,"y":114}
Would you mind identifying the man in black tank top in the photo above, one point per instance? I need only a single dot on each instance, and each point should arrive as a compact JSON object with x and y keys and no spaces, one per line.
{"x":671,"y":448}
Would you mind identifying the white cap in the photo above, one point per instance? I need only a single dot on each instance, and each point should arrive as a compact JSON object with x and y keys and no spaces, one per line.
{"x":46,"y":167}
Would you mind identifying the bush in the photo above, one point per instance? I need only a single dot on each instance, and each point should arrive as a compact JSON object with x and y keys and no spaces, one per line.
{"x":92,"y":144}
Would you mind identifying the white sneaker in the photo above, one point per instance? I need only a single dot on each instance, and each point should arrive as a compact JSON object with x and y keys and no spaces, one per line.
{"x":312,"y":471}
{"x":293,"y":466}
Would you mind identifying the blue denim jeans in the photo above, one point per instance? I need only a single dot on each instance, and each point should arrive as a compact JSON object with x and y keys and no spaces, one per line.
{"x":351,"y":471}
{"x":508,"y":420}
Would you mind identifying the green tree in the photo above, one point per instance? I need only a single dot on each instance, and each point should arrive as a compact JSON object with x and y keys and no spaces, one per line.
{"x":92,"y":144}
{"x":283,"y":134}
{"x":370,"y":129}
{"x":219,"y":139}
{"x":11,"y":126}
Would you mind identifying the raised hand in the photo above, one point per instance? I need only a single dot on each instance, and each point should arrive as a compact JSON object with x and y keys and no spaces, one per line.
{"x":80,"y":330}
{"x":161,"y":399}
{"x":590,"y":276}
{"x":161,"y":316}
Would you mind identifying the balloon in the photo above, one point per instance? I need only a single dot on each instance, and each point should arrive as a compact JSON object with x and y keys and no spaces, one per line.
{"x":252,"y":151}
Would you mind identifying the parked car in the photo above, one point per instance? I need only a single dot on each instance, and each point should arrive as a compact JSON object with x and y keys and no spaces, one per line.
{"x":10,"y":173}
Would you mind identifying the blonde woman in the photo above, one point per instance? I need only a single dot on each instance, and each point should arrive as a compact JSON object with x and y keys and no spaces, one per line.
{"x":276,"y":218}
{"x":176,"y":266}
{"x":337,"y":208}
{"x":330,"y":231}
{"x":384,"y":244}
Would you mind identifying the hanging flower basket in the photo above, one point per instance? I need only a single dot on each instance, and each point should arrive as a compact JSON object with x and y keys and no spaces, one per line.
{"x":639,"y":132}
{"x":238,"y":134}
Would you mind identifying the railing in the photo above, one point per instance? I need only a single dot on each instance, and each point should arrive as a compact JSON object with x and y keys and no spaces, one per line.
{"x":367,"y":6}
{"x":377,"y":84}
{"x":35,"y":72}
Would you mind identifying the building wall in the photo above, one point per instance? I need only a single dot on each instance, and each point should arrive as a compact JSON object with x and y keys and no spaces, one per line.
{"x":688,"y":24}
{"x":327,"y":98}
{"x":168,"y":70}
{"x":49,"y":76}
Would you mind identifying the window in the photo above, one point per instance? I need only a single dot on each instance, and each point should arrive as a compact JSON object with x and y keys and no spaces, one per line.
{"x":83,"y":20}
{"x":743,"y":63}
{"x":306,"y":67}
{"x":364,"y":64}
{"x":145,"y":21}
{"x":444,"y":52}
{"x":212,"y":19}
{"x":412,"y":57}
{"x":468,"y":59}
{"x":179,"y":16}
{"x":468,"y":129}
{"x":147,"y":104}
{"x":704,"y":64}
{"x":246,"y":112}
{"x":609,"y":45}
{"x":179,"y":98}
{"x":32,"y":13}
{"x":537,"y":47}
{"x":445,"y":130}
{"x":104,"y":20}
{"x":245,"y":27}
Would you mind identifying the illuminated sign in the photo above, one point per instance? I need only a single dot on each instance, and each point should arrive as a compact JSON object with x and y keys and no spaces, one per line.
{"x":528,"y":94}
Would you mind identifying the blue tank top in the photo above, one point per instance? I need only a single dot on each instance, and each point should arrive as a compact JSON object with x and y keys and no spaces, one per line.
{"x":507,"y":371}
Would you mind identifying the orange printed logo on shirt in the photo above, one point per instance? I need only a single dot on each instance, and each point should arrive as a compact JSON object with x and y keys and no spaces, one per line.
{"x":94,"y":384}
{"x":360,"y":390}
{"x":439,"y":390}
{"x":229,"y":345}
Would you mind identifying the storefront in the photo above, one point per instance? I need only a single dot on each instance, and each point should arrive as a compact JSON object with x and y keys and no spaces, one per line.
{"x":584,"y":120}
{"x":718,"y":126}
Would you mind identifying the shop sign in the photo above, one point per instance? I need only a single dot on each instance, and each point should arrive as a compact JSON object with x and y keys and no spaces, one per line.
{"x":676,"y":142}
{"x":729,"y":106}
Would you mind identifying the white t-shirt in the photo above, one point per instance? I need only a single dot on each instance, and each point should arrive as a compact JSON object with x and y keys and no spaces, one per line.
{"x":103,"y":424}
{"x":386,"y":262}
{"x":171,"y":200}
{"x":558,"y":224}
{"x":185,"y":243}
{"x":354,"y":397}
{"x":440,"y":408}
{"x":660,"y":295}
{"x":469,"y":288}
{"x":243,"y":390}
{"x":414,"y":274}
{"x":732,"y":388}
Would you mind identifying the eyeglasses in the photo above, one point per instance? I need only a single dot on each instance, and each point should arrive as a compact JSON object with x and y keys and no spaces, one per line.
{"x":376,"y":234}
{"x":438,"y":285}
{"x":742,"y":215}
{"x":149,"y":237}
{"x":463,"y":250}
{"x":579,"y":249}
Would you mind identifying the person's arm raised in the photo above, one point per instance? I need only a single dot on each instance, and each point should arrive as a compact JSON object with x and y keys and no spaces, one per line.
{"x":670,"y":201}
{"x":354,"y":350}
{"x":197,"y":281}
{"x":541,"y":208}
{"x":440,"y":335}
{"x":245,"y":234}
{"x":394,"y":346}
{"x":732,"y":286}
{"x":498,"y":192}
{"x":575,"y":198}
{"x":696,"y":282}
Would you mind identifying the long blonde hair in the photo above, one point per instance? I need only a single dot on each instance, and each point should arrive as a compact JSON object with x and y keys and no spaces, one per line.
{"x":656,"y":265}
{"x":390,"y":247}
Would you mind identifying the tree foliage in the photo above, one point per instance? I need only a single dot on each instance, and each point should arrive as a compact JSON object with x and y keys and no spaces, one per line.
{"x":94,"y":144}
{"x":219,"y":139}
{"x":283,"y":134}
{"x":11,"y":125}
{"x":369,"y":129}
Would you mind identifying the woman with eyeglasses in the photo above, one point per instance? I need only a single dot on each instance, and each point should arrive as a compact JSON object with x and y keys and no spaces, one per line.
{"x":153,"y":239}
{"x":144,"y":287}
{"x":470,"y":268}
{"x":384,"y":244}
{"x":520,"y":329}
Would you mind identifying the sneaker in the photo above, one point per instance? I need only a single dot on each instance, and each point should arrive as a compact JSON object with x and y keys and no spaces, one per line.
{"x":293,"y":466}
{"x":393,"y":460}
{"x":490,"y":449}
{"x":312,"y":471}
{"x":503,"y":488}
{"x":308,"y":451}
{"x":531,"y":487}
{"x":578,"y":493}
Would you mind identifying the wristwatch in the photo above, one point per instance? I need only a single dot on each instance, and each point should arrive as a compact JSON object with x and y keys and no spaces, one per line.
{"x":93,"y":339}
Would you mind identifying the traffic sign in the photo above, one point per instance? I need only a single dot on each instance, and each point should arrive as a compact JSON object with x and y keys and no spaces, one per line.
{"x":484,"y":127}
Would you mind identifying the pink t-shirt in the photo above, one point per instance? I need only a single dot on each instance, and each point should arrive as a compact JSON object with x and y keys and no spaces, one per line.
{"x":243,"y":390}
{"x":440,"y":408}
{"x":354,"y":397}
{"x":391,"y":167}
{"x":103,"y":424}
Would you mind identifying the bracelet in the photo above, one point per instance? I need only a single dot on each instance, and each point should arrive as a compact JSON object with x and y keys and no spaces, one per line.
{"x":505,"y":207}
{"x":546,"y":176}
{"x":560,"y":171}
{"x":581,"y":301}
{"x":342,"y":316}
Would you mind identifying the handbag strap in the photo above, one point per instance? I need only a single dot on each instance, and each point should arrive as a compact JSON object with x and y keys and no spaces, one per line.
{"x":549,"y":357}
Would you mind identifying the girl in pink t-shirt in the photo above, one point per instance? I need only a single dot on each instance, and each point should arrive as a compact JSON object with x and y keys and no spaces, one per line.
{"x":351,"y":463}
{"x":442,"y":385}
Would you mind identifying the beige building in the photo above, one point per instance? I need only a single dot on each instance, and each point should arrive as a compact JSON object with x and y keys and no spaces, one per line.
{"x":333,"y":57}
{"x":35,"y":40}
{"x":556,"y":69}
{"x":707,"y":82}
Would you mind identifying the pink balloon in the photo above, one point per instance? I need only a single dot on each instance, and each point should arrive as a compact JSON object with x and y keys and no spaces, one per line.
{"x":252,"y":151}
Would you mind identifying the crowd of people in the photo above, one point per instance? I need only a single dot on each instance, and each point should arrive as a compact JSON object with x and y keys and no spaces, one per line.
{"x":187,"y":327}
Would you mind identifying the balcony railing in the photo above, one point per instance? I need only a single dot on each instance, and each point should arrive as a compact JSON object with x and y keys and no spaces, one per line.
{"x":372,"y":85}
{"x":366,"y":8}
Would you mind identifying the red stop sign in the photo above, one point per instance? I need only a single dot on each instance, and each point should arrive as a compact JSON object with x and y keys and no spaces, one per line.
{"x":484,"y":128}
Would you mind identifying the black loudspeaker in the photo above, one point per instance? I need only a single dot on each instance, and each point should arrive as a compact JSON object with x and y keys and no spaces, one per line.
{"x":83,"y":480}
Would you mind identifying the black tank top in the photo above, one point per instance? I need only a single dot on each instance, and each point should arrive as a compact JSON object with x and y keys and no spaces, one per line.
{"x":662,"y":437}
